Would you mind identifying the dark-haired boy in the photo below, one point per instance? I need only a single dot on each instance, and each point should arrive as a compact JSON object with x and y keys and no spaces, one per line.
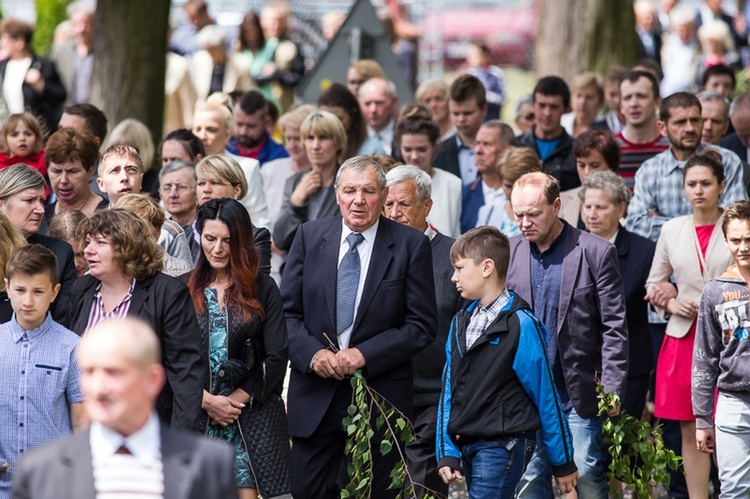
{"x":40,"y":396}
{"x":498,"y":388}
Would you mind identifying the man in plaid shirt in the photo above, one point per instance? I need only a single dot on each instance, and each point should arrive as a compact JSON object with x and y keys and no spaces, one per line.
{"x":659,"y":194}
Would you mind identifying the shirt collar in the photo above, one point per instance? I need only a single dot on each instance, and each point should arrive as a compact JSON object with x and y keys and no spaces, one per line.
{"x":430,"y":232}
{"x":558,"y":240}
{"x":369,"y":234}
{"x":494,"y":308}
{"x":386,"y":132}
{"x":19,"y":333}
{"x":460,"y":144}
{"x":144,"y":444}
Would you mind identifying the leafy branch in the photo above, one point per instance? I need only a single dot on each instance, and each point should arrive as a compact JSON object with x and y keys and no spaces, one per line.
{"x":639,"y":458}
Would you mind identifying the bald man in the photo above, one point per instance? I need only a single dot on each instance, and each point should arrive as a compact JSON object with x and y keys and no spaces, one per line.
{"x":126,"y":450}
{"x":379,"y":103}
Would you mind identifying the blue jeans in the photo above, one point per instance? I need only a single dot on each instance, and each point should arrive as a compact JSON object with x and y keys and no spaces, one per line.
{"x":492,"y":470}
{"x":536,"y":483}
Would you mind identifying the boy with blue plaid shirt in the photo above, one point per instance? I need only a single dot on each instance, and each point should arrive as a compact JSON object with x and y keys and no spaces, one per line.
{"x":40,"y":396}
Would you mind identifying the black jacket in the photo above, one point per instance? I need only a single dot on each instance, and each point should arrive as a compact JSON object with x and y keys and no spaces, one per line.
{"x":66,"y":274}
{"x":446,"y":156}
{"x":165,"y":304}
{"x":560,"y":164}
{"x":48,"y":105}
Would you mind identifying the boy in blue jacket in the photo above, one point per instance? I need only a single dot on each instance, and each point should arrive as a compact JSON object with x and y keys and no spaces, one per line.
{"x":498,"y":388}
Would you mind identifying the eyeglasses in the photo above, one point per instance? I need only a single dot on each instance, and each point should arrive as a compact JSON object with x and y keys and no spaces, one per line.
{"x":180,"y":188}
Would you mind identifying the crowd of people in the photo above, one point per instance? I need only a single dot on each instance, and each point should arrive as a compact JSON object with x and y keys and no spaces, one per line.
{"x":484,"y":277}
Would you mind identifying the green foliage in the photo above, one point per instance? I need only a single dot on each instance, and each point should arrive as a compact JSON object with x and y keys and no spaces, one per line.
{"x":49,"y":13}
{"x":390,"y":425}
{"x":743,"y":82}
{"x":639,"y":458}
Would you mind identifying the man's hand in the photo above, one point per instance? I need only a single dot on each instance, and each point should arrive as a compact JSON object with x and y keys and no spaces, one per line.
{"x":350,"y":360}
{"x":567,"y":483}
{"x":326,"y":365}
{"x":659,"y":294}
{"x":614,"y":410}
{"x":653,"y":213}
{"x":449,"y":475}
{"x":704,"y":439}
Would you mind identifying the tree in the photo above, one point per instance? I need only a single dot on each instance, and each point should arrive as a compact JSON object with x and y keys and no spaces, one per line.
{"x":49,"y":13}
{"x":130,"y":58}
{"x":584,"y":35}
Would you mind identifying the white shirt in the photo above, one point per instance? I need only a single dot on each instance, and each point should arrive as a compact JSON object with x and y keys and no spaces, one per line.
{"x":365,"y":253}
{"x":15,"y":74}
{"x":384,"y":136}
{"x":446,"y":203}
{"x":140,"y":472}
{"x":491,"y":212}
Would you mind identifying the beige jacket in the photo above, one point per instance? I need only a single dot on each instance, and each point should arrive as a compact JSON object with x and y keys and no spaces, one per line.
{"x":678,"y":252}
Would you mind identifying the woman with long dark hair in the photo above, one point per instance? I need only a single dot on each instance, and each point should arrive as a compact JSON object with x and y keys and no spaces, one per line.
{"x":337,"y":99}
{"x":243,"y":332}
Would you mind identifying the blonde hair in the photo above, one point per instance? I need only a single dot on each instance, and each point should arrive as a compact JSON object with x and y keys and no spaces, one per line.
{"x":589,"y":80}
{"x":436,"y":85}
{"x":10,"y":240}
{"x":120,"y":151}
{"x":144,"y":206}
{"x":220,"y":168}
{"x":133,"y":133}
{"x":19,"y":177}
{"x":220,"y":103}
{"x":293,"y":119}
{"x":326,"y":124}
{"x":368,"y":68}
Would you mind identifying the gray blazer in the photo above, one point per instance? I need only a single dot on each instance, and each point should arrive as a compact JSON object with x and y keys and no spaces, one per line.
{"x":592,"y":331}
{"x":194,"y":468}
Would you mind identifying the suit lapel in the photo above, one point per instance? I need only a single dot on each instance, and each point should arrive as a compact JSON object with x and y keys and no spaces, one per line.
{"x":176,"y":462}
{"x":86,"y":303}
{"x":570,"y":268}
{"x":329,"y":258}
{"x":139,"y":297}
{"x":379,"y":260}
{"x":522,"y":269}
{"x":77,"y":458}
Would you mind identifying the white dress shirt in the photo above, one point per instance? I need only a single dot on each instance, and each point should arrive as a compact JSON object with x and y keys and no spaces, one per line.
{"x":384,"y":136}
{"x":124,"y":475}
{"x":365,"y":252}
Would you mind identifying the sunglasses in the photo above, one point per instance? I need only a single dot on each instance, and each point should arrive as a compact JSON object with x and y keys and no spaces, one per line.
{"x":528,"y":116}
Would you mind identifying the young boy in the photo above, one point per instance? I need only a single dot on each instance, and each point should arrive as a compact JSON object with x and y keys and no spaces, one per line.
{"x":40,"y":396}
{"x":721,"y":357}
{"x":498,"y":387}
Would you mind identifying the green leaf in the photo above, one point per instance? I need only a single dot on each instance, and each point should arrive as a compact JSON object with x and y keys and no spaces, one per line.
{"x":385,"y":447}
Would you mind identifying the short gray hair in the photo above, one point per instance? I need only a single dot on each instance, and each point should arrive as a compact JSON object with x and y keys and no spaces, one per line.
{"x":19,"y":177}
{"x":506,"y":134}
{"x":404,"y":173}
{"x":711,"y":96}
{"x":176,"y":166}
{"x":81,"y":8}
{"x":360,"y":164}
{"x":741,"y":102}
{"x":609,"y":181}
{"x":524,"y":99}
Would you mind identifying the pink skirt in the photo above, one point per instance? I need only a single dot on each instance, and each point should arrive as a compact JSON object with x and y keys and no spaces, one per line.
{"x":673,"y":397}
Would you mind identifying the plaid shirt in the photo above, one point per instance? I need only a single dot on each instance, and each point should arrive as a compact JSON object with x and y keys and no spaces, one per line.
{"x":40,"y":381}
{"x":483,"y":317}
{"x":659,"y":188}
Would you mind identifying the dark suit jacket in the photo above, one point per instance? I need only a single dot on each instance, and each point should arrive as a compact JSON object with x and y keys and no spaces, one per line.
{"x":560,"y":164}
{"x":48,"y":104}
{"x":66,"y":274}
{"x":396,"y":317}
{"x":446,"y":157}
{"x":635,"y":254}
{"x":591,"y":328}
{"x":165,"y":304}
{"x":732,"y":142}
{"x":194,"y":468}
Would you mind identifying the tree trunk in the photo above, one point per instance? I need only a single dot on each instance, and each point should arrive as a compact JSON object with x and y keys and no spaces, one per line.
{"x":130,"y":39}
{"x":584,"y":35}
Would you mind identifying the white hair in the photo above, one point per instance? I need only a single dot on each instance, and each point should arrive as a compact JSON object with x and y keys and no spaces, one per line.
{"x":81,"y":8}
{"x":404,"y":173}
{"x":211,"y":36}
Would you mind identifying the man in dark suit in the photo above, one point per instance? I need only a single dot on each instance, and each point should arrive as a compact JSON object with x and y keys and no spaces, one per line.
{"x":572,"y":281}
{"x":739,"y":114}
{"x":126,"y":449}
{"x":468,"y":105}
{"x":409,"y":203}
{"x":359,"y":294}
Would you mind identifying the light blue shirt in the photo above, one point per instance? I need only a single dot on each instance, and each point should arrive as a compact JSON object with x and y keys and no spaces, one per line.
{"x":41,"y":379}
{"x":466,"y":163}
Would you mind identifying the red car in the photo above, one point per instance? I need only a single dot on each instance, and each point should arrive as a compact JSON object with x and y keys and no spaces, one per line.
{"x":507,"y":26}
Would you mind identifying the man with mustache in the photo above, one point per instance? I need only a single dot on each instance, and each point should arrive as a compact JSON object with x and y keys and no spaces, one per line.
{"x":658,"y":195}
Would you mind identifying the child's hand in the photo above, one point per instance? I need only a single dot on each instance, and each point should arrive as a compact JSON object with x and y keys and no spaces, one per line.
{"x":567,"y":483}
{"x":449,"y":475}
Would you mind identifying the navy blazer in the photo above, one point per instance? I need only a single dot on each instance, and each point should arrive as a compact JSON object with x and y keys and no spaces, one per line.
{"x":732,"y":142}
{"x":591,"y":328}
{"x":396,"y":318}
{"x":635,"y":254}
{"x":194,"y":468}
{"x":446,"y":156}
{"x":165,"y":304}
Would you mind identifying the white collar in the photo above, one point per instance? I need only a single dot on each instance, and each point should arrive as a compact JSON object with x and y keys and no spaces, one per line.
{"x":369,"y":234}
{"x":144,"y":444}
